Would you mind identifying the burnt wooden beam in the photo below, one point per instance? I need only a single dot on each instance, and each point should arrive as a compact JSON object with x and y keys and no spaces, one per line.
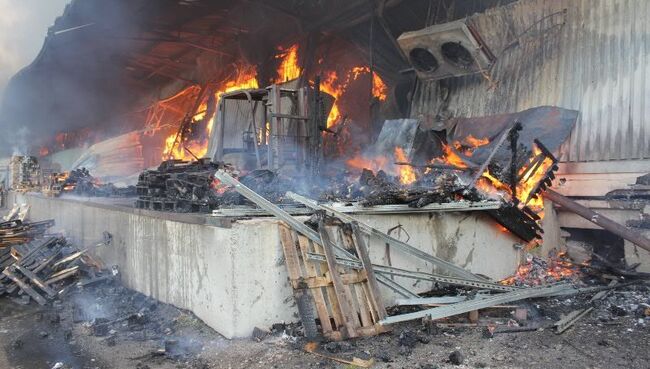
{"x":598,"y":219}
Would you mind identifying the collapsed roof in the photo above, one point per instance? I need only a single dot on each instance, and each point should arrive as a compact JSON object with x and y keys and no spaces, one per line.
{"x":103,"y":60}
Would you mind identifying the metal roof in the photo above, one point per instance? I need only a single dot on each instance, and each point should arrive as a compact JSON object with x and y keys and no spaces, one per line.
{"x":594,"y":57}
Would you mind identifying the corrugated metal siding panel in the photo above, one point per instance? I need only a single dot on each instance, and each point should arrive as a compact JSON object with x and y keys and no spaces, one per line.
{"x":597,"y":63}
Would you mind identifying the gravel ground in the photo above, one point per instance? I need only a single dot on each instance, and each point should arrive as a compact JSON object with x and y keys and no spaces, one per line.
{"x":81,"y":332}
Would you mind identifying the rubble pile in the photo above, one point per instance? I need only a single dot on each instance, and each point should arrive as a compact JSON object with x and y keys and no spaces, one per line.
{"x":182,"y":186}
{"x":81,"y":183}
{"x":380,"y":188}
{"x":44,"y":269}
{"x":178,"y":185}
{"x":16,"y":231}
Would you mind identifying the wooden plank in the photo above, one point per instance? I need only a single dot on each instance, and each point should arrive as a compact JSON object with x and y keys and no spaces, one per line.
{"x":330,"y":294}
{"x":347,"y":290}
{"x":316,"y":293}
{"x":363,"y":305}
{"x":35,"y":280}
{"x":25,"y":287}
{"x":47,"y":262}
{"x":341,"y":296}
{"x":300,"y":292}
{"x":326,"y":281}
{"x":65,"y":273}
{"x":473,"y":316}
{"x":373,"y":310}
{"x":291,"y":259}
{"x":373,"y":286}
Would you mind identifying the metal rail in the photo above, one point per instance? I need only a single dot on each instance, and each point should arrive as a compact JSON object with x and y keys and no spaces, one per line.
{"x":299,"y":226}
{"x":421,"y":276}
{"x":442,"y":264}
{"x":467,"y":306}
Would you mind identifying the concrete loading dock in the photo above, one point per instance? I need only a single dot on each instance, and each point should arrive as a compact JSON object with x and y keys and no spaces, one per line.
{"x":233,"y":276}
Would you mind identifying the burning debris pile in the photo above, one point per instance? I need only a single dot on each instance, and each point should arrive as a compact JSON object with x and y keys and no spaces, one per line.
{"x":383,"y":189}
{"x":536,"y":271}
{"x":81,"y":183}
{"x":514,"y":176}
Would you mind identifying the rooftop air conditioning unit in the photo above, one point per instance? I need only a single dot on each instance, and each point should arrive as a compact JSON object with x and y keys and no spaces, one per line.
{"x":446,"y":50}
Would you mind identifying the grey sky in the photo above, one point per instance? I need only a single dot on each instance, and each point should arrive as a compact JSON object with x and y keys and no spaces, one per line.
{"x":23,"y":25}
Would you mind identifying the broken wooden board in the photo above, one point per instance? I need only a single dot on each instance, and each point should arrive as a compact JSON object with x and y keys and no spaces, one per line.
{"x":25,"y":287}
{"x":341,"y":297}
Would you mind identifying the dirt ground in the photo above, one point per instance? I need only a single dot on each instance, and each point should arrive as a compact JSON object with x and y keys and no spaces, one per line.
{"x":110,"y":326}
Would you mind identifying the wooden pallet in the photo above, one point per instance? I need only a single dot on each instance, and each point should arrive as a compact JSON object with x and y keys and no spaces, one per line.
{"x":347,"y":301}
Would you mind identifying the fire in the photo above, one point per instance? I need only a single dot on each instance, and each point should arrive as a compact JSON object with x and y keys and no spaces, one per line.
{"x":468,"y":144}
{"x":476,"y":142}
{"x":406,"y":172}
{"x":330,"y":85}
{"x":360,"y":162}
{"x":379,"y":88}
{"x":525,"y":186}
{"x":289,"y":68}
{"x":336,"y":87}
{"x":531,"y":179}
{"x":537,"y":271}
{"x":175,"y":147}
{"x":449,"y":157}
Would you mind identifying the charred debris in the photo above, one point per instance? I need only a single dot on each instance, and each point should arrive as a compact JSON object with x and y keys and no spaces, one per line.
{"x":336,"y":287}
{"x":41,"y":266}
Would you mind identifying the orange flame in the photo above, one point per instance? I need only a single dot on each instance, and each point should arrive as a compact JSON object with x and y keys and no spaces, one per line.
{"x":332,"y":85}
{"x":525,"y":186}
{"x":379,"y":88}
{"x":246,"y":79}
{"x":360,"y":162}
{"x":406,"y":172}
{"x":528,"y":183}
{"x":289,"y":68}
{"x":468,"y":144}
{"x":558,"y":268}
{"x":449,"y":157}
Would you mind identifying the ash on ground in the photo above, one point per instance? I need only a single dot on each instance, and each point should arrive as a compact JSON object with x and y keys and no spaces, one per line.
{"x":110,"y":326}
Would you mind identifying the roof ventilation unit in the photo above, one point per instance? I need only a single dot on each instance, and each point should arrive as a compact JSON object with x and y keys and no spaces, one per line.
{"x":446,"y":50}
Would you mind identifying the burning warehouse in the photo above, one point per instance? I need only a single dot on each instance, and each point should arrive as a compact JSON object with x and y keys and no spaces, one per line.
{"x":361,"y":179}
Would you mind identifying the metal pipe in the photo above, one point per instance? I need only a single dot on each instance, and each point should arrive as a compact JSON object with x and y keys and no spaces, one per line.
{"x":598,"y":219}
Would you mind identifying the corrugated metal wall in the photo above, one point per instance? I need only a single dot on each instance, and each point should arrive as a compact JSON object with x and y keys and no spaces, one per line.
{"x":594,"y":58}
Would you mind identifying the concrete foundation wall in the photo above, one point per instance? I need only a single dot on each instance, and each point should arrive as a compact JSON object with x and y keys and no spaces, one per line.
{"x":233,"y":277}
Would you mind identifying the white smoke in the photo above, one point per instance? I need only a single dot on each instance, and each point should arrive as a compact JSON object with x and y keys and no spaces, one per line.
{"x":23,"y":26}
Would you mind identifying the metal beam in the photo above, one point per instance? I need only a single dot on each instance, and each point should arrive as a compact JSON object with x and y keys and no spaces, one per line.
{"x":635,"y":237}
{"x":420,"y":276}
{"x":442,"y":264}
{"x":467,"y":306}
{"x":302,"y":228}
